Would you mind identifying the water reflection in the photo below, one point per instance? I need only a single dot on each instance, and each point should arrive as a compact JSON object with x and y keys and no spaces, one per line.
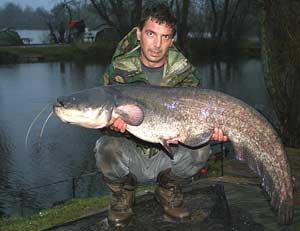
{"x":25,"y":90}
{"x":4,"y":150}
{"x":62,"y":67}
{"x":66,"y":151}
{"x":243,"y":80}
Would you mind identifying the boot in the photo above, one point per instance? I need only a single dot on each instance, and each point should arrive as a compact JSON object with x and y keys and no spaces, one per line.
{"x":169,"y":195}
{"x":120,"y":211}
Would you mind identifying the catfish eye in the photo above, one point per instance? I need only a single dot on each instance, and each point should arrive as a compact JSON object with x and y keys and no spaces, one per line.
{"x":61,"y":103}
{"x":61,"y":100}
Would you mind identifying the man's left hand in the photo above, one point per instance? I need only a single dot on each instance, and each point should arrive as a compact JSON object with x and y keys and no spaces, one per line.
{"x":218,"y":135}
{"x":119,"y":125}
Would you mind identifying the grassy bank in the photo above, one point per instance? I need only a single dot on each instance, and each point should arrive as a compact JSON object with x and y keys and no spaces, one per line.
{"x":60,"y":214}
{"x":57,"y":53}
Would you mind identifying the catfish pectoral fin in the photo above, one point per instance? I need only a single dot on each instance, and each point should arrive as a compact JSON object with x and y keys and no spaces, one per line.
{"x":131,"y":114}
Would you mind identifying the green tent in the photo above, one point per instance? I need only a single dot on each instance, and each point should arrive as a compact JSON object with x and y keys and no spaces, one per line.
{"x":9,"y":37}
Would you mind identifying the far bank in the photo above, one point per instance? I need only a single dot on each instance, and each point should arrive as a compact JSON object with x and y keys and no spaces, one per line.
{"x":85,"y":51}
{"x":55,"y":53}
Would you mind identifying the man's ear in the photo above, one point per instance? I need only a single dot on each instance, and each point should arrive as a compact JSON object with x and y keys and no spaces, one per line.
{"x":138,"y":33}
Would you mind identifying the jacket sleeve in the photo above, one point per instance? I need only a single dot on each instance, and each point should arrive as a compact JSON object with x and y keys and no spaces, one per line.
{"x":191,"y":79}
{"x":107,"y":76}
{"x":112,"y":76}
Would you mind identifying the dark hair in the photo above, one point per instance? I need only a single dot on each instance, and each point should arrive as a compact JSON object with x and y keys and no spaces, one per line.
{"x":161,"y":13}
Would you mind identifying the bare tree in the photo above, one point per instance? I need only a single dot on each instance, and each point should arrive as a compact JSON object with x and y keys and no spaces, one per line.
{"x":219,"y":15}
{"x":280,"y":31}
{"x":120,"y":14}
{"x":182,"y":12}
{"x":223,"y":21}
{"x":58,"y":19}
{"x":214,"y":19}
{"x":226,"y":19}
{"x":137,"y":12}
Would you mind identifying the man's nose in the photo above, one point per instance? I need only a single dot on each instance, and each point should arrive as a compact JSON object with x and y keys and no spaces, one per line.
{"x":157,"y":42}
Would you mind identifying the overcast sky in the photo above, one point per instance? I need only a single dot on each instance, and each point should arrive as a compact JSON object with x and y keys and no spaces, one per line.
{"x":47,"y":4}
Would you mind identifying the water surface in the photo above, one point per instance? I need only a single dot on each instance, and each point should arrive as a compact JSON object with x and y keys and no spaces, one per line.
{"x":62,"y":152}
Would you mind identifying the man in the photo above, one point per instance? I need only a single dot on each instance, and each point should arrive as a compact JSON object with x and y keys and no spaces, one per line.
{"x":147,"y":55}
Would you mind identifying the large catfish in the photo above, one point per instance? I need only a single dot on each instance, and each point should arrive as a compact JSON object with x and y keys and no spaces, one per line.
{"x":189,"y":115}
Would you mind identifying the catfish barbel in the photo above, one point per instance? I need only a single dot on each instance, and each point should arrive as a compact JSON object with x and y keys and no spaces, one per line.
{"x":188,"y":115}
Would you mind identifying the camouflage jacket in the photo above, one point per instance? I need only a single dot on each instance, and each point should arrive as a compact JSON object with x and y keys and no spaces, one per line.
{"x":126,"y":65}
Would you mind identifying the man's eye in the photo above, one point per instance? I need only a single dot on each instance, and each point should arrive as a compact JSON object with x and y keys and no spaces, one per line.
{"x":149,"y":33}
{"x":166,"y":37}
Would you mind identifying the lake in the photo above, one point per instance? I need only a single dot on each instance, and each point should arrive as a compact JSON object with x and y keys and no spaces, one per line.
{"x":45,"y":173}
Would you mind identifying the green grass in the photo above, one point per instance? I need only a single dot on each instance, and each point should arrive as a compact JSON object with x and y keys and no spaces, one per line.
{"x":69,"y":211}
{"x":57,"y":215}
{"x":65,"y":52}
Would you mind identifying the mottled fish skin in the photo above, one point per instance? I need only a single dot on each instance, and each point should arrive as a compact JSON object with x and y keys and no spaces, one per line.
{"x":190,"y":115}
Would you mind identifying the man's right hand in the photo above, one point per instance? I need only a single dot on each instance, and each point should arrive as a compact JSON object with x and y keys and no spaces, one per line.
{"x":218,"y":135}
{"x":119,"y":125}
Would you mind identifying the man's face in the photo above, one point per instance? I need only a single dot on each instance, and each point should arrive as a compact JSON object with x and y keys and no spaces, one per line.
{"x":155,"y":40}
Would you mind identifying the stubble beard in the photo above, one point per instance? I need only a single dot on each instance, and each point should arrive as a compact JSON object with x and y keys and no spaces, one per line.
{"x":152,"y":60}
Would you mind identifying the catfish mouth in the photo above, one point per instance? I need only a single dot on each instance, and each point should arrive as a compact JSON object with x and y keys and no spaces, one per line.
{"x":58,"y":110}
{"x":64,"y":114}
{"x":87,"y":117}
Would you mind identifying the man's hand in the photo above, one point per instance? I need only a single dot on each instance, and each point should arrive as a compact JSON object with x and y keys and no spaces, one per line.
{"x":218,"y":135}
{"x":119,"y":125}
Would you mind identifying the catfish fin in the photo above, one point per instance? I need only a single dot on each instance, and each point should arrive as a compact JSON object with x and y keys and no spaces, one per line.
{"x":197,"y":141}
{"x":130,"y":113}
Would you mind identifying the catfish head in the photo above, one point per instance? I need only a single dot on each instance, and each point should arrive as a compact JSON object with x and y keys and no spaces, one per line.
{"x":96,"y":108}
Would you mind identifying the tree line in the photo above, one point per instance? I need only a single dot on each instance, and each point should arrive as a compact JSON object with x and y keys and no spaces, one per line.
{"x":14,"y":16}
{"x":221,"y":20}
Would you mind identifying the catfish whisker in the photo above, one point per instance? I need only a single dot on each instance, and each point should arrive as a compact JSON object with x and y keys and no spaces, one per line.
{"x":44,"y":125}
{"x":32,"y":123}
